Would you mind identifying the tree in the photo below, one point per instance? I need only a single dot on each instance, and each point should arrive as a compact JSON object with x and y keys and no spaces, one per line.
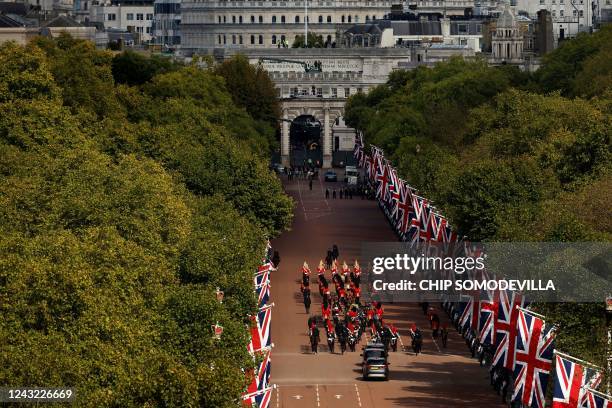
{"x":314,"y":41}
{"x":132,"y":68}
{"x":251,"y":88}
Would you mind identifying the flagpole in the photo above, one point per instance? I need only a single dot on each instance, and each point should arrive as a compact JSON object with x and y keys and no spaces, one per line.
{"x":259,"y":392}
{"x":606,"y":396}
{"x":531,"y":312}
{"x":576,"y":359}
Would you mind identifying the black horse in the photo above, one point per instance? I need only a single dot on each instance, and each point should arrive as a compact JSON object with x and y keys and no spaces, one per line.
{"x":342,"y":334}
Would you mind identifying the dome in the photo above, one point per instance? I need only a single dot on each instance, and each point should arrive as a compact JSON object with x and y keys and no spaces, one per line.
{"x":506,"y":18}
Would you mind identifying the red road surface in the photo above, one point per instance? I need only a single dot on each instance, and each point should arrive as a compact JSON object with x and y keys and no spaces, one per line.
{"x":437,"y":378}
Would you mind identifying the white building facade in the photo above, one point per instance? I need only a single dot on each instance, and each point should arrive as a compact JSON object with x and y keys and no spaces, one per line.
{"x":137,"y":19}
{"x":569,"y":17}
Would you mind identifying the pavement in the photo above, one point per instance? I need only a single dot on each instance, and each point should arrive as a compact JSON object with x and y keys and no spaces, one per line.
{"x":439,"y":377}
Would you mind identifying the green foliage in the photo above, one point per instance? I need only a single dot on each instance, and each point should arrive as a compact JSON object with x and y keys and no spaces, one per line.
{"x":132,"y":68}
{"x":314,"y":41}
{"x":122,"y":208}
{"x":251,"y":88}
{"x":576,"y":66}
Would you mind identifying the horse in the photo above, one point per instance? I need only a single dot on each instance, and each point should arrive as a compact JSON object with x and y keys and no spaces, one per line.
{"x":331,"y":338}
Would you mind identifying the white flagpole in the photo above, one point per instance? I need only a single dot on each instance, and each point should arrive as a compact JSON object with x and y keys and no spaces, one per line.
{"x":259,"y":392}
{"x":576,"y":359}
{"x":531,"y":312}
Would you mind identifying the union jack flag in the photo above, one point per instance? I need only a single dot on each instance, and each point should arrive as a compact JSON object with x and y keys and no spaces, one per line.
{"x":571,"y":381}
{"x":261,"y":375}
{"x":437,"y":225}
{"x":262,"y":287}
{"x":263,"y":399}
{"x":382,"y":178}
{"x":506,"y":328}
{"x":405,"y":210}
{"x":425,"y":233}
{"x":260,"y":330}
{"x":595,"y":399}
{"x":489,"y":309}
{"x":532,"y":360}
{"x":397,"y":195}
{"x":470,"y":314}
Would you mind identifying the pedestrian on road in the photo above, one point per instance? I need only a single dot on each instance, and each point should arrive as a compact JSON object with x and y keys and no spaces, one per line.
{"x":326,"y":193}
{"x":276,"y":259}
{"x":351,"y":193}
{"x":310,"y":184}
{"x":334,"y":194}
{"x":341,"y":194}
{"x":444,"y":335}
{"x":346,"y":194}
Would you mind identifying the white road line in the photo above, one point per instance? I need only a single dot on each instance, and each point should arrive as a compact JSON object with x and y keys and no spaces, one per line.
{"x":277,"y":396}
{"x":358,"y":397}
{"x":318,"y":401}
{"x":302,"y":201}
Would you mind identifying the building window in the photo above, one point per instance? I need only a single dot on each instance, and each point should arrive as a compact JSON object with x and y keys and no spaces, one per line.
{"x":233,"y":39}
{"x":329,"y":19}
{"x":581,"y":12}
{"x":349,"y":19}
{"x":319,"y":92}
{"x":347,"y":92}
{"x":297,"y":19}
{"x":373,"y":17}
{"x":252,"y":39}
{"x":130,"y":16}
{"x":233,"y":19}
{"x":111,"y":17}
{"x":219,"y":39}
{"x":225,"y":19}
{"x":139,"y":30}
{"x":561,"y":12}
{"x":273,"y":39}
{"x":273,"y":19}
{"x":139,"y":16}
{"x":149,"y":16}
{"x":260,"y":19}
{"x":334,"y":92}
{"x":367,"y":18}
{"x":261,"y":39}
{"x":240,"y":19}
{"x":320,"y":19}
{"x":283,"y":19}
{"x":219,"y":19}
{"x":252,"y":19}
{"x":343,"y":19}
{"x":148,"y":30}
{"x":240,"y":40}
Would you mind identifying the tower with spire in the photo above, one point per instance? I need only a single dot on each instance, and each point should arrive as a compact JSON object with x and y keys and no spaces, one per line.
{"x":507,"y":41}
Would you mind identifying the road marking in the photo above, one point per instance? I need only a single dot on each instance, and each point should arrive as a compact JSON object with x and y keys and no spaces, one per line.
{"x":318,"y":401}
{"x":358,"y":397}
{"x":338,"y":396}
{"x":302,"y":201}
{"x":297,"y":397}
{"x":277,"y":397}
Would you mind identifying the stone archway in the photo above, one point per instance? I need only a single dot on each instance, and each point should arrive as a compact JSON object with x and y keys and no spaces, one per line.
{"x":324,"y":111}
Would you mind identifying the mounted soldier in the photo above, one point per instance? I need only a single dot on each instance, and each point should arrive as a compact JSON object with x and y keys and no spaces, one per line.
{"x":306,"y":296}
{"x":356,"y":274}
{"x":321,"y":269}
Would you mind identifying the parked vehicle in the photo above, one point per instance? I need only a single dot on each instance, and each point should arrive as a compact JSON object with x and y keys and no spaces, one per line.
{"x":331,"y":176}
